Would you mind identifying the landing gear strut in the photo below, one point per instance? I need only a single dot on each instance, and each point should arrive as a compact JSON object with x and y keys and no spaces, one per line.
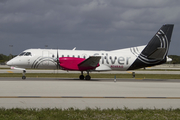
{"x":24,"y":75}
{"x":81,"y":77}
{"x":88,"y":77}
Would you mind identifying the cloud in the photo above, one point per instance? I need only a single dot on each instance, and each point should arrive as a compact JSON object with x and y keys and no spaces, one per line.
{"x":95,"y":24}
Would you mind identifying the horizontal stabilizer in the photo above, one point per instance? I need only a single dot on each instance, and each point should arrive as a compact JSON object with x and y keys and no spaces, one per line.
{"x":92,"y":61}
{"x":159,"y":53}
{"x":168,"y":59}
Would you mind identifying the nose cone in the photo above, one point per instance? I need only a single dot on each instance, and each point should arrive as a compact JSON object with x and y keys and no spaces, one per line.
{"x":9,"y":63}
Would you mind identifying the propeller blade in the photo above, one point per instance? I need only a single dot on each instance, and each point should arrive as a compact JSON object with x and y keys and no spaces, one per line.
{"x":57,"y":59}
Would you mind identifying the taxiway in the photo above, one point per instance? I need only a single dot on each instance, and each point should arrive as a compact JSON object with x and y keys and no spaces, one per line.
{"x":101,"y":93}
{"x":104,"y":72}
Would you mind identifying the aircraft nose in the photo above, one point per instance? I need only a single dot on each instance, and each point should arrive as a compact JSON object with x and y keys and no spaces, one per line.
{"x":9,"y":63}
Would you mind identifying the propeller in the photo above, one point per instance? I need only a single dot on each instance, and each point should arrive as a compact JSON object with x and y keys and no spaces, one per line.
{"x":57,"y":61}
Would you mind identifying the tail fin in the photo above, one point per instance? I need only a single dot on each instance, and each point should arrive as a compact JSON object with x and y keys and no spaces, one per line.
{"x":156,"y":50}
{"x":158,"y":47}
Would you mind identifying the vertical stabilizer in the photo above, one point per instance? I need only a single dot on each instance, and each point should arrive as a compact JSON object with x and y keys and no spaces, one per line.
{"x":156,"y":50}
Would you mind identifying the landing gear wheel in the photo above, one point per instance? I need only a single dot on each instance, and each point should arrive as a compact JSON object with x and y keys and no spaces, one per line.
{"x":88,"y":77}
{"x":81,"y":77}
{"x":23,"y":77}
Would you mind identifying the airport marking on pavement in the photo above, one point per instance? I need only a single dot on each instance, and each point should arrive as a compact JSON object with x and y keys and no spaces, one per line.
{"x":95,"y":97}
{"x":10,"y":71}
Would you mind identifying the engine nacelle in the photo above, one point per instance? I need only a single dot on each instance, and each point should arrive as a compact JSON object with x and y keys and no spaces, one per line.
{"x":71,"y":63}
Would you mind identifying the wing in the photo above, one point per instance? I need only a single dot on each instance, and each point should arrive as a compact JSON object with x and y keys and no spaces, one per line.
{"x":91,"y":62}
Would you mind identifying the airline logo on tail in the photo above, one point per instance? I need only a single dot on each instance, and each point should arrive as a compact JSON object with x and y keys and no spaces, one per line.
{"x":156,"y":51}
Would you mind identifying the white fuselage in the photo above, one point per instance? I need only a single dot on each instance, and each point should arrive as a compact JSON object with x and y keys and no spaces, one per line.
{"x":46,"y":58}
{"x":154,"y":53}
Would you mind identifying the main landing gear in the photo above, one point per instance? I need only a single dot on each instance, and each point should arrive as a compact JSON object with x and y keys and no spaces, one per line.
{"x":88,"y":77}
{"x":24,"y":75}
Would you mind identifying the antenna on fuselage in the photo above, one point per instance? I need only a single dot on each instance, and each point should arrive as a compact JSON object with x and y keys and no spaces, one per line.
{"x":74,"y":48}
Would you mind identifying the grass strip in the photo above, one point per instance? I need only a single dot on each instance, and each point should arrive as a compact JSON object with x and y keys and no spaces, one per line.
{"x":89,"y":114}
{"x":94,"y":75}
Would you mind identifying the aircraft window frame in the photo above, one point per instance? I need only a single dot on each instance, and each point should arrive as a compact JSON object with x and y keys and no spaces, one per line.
{"x":22,"y":54}
{"x":27,"y":54}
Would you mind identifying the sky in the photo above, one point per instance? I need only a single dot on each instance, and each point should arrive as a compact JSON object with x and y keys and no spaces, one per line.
{"x":85,"y":24}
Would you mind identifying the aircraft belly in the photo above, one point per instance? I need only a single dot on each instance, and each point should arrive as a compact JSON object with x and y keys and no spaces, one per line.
{"x":103,"y":67}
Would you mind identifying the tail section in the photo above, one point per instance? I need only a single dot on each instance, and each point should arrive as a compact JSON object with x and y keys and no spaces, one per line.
{"x":158,"y":47}
{"x":156,"y":50}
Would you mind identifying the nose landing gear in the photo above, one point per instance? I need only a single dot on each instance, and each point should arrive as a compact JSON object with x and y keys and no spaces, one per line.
{"x":24,"y":75}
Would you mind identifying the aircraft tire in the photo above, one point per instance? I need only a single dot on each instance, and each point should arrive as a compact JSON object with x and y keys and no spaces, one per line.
{"x":88,"y":77}
{"x":81,"y":77}
{"x":23,"y":77}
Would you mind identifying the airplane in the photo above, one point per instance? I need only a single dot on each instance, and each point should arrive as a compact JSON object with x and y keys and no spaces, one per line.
{"x":154,"y":53}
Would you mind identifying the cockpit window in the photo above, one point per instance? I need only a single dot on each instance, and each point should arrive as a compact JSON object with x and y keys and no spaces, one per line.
{"x":21,"y":54}
{"x":27,"y":54}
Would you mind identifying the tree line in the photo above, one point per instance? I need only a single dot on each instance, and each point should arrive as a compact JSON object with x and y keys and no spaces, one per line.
{"x":175,"y":59}
{"x":5,"y":58}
